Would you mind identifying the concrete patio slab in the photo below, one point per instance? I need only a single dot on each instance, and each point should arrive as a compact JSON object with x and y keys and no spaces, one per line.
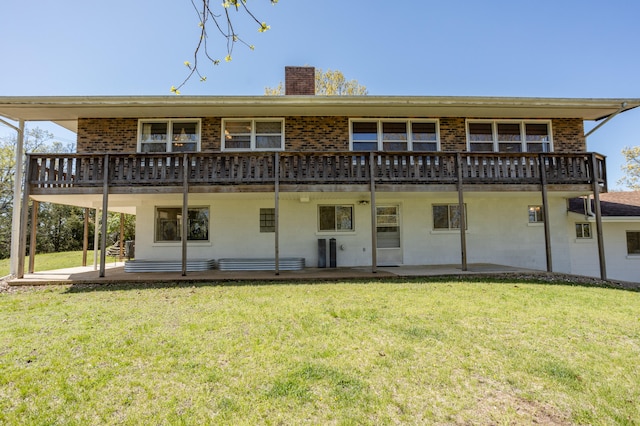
{"x":114,"y":273}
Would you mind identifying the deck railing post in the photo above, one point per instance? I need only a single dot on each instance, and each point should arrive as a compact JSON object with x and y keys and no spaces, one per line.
{"x":545,"y":211}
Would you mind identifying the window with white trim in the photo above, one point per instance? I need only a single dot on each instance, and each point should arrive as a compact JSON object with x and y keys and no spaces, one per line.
{"x":169,"y":224}
{"x":172,"y":135}
{"x":633,"y":242}
{"x":583,"y":231}
{"x":264,"y":134}
{"x":336,"y":218}
{"x":394,"y":135}
{"x":447,"y":216}
{"x":536,"y":214}
{"x":509,"y":136}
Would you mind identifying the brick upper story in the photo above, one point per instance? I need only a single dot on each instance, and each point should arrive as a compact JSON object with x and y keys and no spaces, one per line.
{"x":302,"y":133}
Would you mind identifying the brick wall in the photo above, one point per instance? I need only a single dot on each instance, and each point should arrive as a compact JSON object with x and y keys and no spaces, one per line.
{"x":302,"y":134}
{"x":299,"y":81}
{"x":98,"y":135}
{"x":453,"y":134}
{"x":568,"y":135}
{"x":316,"y":133}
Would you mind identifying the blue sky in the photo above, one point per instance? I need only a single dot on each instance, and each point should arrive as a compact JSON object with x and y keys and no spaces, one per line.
{"x":543,"y":48}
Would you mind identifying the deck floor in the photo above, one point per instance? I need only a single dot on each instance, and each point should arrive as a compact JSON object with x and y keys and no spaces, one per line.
{"x":114,"y":273}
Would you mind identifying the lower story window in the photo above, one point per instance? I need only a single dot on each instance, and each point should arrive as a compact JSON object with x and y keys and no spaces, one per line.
{"x":536,"y":214}
{"x":447,"y":216}
{"x":583,"y":230}
{"x":169,"y":224}
{"x":335,"y":218}
{"x":633,"y":242}
{"x":267,"y":220}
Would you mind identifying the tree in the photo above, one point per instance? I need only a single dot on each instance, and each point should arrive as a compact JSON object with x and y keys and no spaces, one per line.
{"x":35,"y":140}
{"x":631,"y":168}
{"x":59,"y":227}
{"x":329,"y":83}
{"x":223,"y":23}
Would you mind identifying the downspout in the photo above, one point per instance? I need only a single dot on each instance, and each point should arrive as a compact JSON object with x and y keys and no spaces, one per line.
{"x":588,"y":209}
{"x":622,"y":107}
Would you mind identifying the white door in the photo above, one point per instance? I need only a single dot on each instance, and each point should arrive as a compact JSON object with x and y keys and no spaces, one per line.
{"x":389,"y":248}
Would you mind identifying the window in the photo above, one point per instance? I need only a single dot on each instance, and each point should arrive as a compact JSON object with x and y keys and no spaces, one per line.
{"x":583,"y":230}
{"x":536,"y":214}
{"x":509,"y":136}
{"x":181,"y":135}
{"x":394,"y":135}
{"x":633,"y":242}
{"x":267,"y":220}
{"x":253,"y":135}
{"x":447,"y":216}
{"x":335,"y":218}
{"x":169,"y":224}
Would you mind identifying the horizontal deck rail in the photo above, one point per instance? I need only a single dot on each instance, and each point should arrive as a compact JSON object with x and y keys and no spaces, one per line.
{"x":222,"y":168}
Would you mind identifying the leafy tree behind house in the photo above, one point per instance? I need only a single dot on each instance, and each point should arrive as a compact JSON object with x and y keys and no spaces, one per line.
{"x":328,"y":83}
{"x":631,"y":168}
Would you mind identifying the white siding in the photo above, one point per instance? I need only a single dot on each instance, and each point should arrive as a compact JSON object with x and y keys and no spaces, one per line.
{"x":498,"y":230}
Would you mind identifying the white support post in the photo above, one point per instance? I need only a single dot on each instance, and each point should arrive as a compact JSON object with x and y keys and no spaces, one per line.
{"x":17,"y":199}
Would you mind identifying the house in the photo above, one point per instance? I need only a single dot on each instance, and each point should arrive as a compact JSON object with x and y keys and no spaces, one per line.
{"x":621,"y":228}
{"x":294,"y":179}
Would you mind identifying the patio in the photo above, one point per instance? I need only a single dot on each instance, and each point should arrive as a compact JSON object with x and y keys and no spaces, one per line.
{"x":115,"y":274}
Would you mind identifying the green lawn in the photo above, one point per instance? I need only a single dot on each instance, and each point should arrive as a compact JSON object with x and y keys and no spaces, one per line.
{"x":344,"y":353}
{"x":49,"y":261}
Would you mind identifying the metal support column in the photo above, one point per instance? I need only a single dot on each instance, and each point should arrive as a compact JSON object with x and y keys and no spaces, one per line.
{"x":595,"y":177}
{"x":22,"y":221}
{"x":374,"y":235}
{"x":545,"y":212}
{"x":105,"y":208}
{"x":32,"y":240}
{"x":463,"y":216}
{"x":185,"y":211}
{"x":85,"y":237}
{"x":276,"y":173}
{"x":96,"y":240}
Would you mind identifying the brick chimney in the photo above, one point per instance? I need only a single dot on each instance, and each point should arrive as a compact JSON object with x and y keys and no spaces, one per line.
{"x":299,"y":81}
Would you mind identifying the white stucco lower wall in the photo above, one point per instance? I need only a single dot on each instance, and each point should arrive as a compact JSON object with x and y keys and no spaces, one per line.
{"x":584,"y":252}
{"x":498,"y":229}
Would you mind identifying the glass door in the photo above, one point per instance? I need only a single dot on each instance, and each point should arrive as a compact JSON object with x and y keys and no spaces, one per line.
{"x":389,"y":248}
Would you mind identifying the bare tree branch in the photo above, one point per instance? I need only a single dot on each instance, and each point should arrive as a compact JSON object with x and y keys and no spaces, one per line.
{"x":223,"y":22}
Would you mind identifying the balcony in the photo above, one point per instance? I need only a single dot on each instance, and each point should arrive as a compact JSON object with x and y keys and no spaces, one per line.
{"x":302,"y":171}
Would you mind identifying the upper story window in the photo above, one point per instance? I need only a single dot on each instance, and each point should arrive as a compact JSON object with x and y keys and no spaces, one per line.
{"x":394,"y":135}
{"x":175,"y":135}
{"x":264,"y":134}
{"x":509,"y":136}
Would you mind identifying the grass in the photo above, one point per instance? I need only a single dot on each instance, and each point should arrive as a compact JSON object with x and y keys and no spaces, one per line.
{"x":49,"y":261}
{"x":343,"y":353}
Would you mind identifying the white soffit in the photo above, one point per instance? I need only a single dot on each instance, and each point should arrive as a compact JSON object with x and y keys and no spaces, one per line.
{"x":66,"y":110}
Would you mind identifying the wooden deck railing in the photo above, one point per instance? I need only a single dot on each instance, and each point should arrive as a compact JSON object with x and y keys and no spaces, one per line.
{"x":131,"y":170}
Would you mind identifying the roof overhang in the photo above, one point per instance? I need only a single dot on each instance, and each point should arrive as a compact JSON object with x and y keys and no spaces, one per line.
{"x":65,"y":110}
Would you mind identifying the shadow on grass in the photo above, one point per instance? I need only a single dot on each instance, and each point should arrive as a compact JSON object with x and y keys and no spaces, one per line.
{"x":503,"y":278}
